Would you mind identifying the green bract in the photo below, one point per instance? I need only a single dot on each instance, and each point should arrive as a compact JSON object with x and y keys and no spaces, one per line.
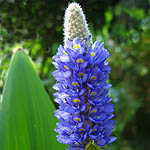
{"x":92,"y":146}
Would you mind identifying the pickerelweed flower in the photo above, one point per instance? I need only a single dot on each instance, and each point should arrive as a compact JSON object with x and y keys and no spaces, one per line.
{"x":85,"y":111}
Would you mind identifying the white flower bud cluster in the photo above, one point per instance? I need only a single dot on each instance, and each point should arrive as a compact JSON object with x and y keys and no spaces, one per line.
{"x":75,"y":25}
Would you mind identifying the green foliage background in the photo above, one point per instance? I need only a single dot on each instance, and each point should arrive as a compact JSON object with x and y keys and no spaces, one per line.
{"x":124,"y":26}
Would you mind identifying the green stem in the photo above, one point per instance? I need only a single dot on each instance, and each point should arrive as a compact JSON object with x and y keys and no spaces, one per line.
{"x":92,"y":146}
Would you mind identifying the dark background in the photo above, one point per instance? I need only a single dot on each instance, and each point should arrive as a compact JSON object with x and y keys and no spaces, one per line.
{"x":124,"y":26}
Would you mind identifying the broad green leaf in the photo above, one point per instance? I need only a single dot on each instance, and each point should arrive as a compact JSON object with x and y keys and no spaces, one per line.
{"x":27,"y":121}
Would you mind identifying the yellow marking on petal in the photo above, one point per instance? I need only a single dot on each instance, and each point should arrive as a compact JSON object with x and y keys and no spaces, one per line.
{"x":75,"y":83}
{"x":68,"y":132}
{"x":79,"y":60}
{"x":80,"y":74}
{"x":94,"y":129}
{"x":81,"y":129}
{"x":66,"y":67}
{"x":65,"y":53}
{"x":93,"y":77}
{"x":76,"y":46}
{"x":93,"y":93}
{"x":77,"y":119}
{"x":76,"y":100}
{"x":94,"y":110}
{"x":92,"y":54}
{"x":76,"y":143}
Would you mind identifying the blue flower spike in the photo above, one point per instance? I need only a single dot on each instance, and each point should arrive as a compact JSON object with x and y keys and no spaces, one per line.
{"x":85,"y":112}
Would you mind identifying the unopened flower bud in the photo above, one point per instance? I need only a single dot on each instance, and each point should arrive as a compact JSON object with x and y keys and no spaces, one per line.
{"x":75,"y":25}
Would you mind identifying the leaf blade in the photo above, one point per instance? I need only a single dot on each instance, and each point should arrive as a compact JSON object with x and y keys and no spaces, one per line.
{"x":26,"y":116}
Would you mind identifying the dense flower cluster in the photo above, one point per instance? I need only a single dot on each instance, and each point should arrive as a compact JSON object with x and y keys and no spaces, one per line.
{"x":85,"y":111}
